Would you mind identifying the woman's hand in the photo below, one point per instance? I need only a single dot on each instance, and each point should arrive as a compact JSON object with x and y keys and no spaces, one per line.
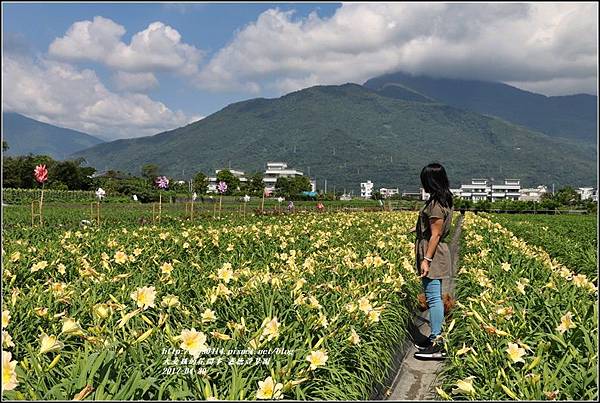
{"x":413,"y":229}
{"x":424,"y":268}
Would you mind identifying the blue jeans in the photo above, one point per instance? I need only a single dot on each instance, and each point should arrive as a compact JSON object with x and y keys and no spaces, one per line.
{"x":433,"y":293}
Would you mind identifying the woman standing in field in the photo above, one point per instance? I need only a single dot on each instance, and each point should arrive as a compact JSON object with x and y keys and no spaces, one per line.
{"x":433,"y":262}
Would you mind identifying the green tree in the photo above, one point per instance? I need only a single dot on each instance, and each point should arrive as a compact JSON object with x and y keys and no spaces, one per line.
{"x":548,"y":202}
{"x":73,"y":175}
{"x":590,"y":206}
{"x":200,"y":183}
{"x":256,"y":185}
{"x":178,"y":187}
{"x":4,"y":145}
{"x":18,"y":171}
{"x":282,"y":187}
{"x":292,"y":187}
{"x":457,"y":202}
{"x":300,"y":184}
{"x":567,"y":196}
{"x":11,"y":177}
{"x":137,"y":186}
{"x":150,"y":172}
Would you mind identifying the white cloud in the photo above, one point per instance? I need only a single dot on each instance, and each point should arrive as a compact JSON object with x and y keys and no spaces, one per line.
{"x":157,"y":48}
{"x":135,"y":82}
{"x":61,"y":94}
{"x":510,"y":42}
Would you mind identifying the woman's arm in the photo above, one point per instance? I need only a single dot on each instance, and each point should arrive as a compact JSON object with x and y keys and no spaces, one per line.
{"x":436,"y":225}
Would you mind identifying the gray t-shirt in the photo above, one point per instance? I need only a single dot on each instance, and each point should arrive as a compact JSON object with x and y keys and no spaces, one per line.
{"x":441,"y":265}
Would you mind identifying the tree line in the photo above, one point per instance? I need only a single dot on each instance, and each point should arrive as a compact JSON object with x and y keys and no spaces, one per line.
{"x":564,"y":198}
{"x":73,"y":175}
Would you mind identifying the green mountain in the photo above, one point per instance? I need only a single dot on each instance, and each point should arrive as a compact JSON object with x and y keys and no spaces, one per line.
{"x":349,"y":134}
{"x":25,"y":135}
{"x":572,"y":117}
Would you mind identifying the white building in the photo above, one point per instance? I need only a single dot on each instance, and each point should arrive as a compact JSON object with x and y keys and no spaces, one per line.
{"x":479,"y":189}
{"x":455,"y":192}
{"x":277,"y":170}
{"x":510,"y":189}
{"x":385,"y":193}
{"x":212,"y":181}
{"x":533,"y":194}
{"x":476,"y":191}
{"x":587,"y":193}
{"x":366,"y":189}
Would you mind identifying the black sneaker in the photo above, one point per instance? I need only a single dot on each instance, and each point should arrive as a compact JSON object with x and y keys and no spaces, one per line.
{"x":423,"y":344}
{"x":433,"y":352}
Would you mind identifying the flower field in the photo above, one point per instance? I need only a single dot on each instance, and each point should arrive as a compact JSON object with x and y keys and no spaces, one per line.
{"x":526,"y":326}
{"x":571,"y":239}
{"x":304,"y":306}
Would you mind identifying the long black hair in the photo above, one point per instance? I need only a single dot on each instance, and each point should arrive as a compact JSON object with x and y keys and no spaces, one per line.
{"x":435,"y":182}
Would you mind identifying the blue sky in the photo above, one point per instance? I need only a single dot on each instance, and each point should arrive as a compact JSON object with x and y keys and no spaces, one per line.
{"x":132,"y":69}
{"x":207,"y":26}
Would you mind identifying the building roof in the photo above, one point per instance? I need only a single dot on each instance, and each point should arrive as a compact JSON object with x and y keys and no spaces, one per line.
{"x":283,"y":171}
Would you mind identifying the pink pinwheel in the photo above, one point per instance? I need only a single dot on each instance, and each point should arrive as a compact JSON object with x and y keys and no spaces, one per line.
{"x":222,"y":187}
{"x":162,"y":182}
{"x":40,"y":173}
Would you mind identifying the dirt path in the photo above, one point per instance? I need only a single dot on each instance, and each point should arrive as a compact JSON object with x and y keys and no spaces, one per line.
{"x":415,"y":379}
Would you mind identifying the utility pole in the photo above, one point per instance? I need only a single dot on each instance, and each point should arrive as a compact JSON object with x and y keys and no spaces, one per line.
{"x":325,"y":186}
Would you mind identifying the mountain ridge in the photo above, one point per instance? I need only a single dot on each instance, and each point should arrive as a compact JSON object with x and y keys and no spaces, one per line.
{"x":349,"y":134}
{"x":568,"y":116}
{"x":25,"y":135}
